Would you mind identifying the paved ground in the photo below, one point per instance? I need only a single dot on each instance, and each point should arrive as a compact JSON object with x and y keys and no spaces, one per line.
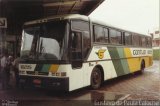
{"x":146,"y":86}
{"x":135,"y":87}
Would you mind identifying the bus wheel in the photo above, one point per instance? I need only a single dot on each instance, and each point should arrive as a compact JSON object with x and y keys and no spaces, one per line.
{"x":96,"y":78}
{"x":142,"y":67}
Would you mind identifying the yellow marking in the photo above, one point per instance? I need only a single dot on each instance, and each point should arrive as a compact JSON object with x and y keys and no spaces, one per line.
{"x":100,"y":53}
{"x":133,"y":63}
{"x":54,"y":68}
{"x":127,"y":52}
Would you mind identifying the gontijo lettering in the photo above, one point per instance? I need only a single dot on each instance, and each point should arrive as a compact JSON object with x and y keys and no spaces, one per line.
{"x":142,"y":52}
{"x":139,"y":52}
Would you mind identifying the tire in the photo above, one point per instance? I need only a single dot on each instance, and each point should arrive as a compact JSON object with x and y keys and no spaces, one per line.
{"x":142,"y":67}
{"x":96,"y":78}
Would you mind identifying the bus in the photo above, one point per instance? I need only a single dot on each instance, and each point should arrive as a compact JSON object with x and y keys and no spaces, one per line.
{"x":69,"y":52}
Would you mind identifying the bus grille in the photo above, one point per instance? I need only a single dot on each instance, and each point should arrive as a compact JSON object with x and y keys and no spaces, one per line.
{"x":37,"y":73}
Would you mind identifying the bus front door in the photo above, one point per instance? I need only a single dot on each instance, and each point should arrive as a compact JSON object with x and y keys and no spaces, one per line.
{"x":76,"y":49}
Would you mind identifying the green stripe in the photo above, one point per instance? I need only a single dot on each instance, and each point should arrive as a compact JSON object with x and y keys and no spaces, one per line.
{"x":45,"y":67}
{"x":115,"y":55}
{"x":123,"y":61}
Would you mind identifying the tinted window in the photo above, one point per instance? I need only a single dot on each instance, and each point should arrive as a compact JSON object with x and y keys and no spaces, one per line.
{"x":127,"y":38}
{"x":106,"y":33}
{"x":136,"y":40}
{"x":99,"y":34}
{"x":143,"y":39}
{"x":148,"y":42}
{"x":80,"y":25}
{"x":44,"y":41}
{"x":115,"y":36}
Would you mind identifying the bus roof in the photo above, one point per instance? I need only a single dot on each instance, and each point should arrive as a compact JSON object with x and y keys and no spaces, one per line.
{"x":58,"y":17}
{"x":77,"y":16}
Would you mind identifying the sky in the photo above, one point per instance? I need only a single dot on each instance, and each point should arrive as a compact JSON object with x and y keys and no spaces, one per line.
{"x":141,"y":16}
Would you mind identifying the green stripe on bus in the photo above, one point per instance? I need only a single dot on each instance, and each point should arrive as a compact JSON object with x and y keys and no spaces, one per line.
{"x":45,"y":67}
{"x":123,"y":61}
{"x":116,"y":61}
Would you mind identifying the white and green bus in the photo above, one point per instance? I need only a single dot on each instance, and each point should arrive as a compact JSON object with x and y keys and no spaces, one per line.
{"x":72,"y":51}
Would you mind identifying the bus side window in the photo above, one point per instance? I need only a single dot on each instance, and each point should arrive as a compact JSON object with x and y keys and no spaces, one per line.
{"x":115,"y":36}
{"x":143,"y":41}
{"x":136,"y":40}
{"x":98,"y":33}
{"x":127,"y":38}
{"x":147,"y":42}
{"x":106,"y":35}
{"x":112,"y":34}
{"x":150,"y":42}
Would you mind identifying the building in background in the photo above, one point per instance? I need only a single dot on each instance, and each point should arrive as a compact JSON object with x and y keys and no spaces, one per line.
{"x":156,"y":43}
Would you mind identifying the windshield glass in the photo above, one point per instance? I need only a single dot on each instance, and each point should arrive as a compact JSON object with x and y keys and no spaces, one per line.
{"x":44,"y":41}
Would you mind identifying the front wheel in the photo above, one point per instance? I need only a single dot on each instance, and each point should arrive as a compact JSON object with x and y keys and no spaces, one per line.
{"x":96,"y":78}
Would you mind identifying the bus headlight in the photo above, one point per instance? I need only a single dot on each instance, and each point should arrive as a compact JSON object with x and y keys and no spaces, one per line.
{"x":63,"y":74}
{"x":58,"y":74}
{"x":50,"y":74}
{"x":22,"y":72}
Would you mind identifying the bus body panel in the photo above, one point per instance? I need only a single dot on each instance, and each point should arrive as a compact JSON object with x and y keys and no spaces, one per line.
{"x":115,"y":61}
{"x":100,"y":56}
{"x":118,"y":61}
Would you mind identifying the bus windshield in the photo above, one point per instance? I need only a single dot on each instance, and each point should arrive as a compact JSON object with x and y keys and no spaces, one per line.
{"x":44,"y":41}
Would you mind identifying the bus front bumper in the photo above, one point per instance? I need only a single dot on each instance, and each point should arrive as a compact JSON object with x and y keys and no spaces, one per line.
{"x":51,"y":83}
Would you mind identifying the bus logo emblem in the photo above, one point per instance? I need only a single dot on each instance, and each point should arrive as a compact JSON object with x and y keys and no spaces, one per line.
{"x":100,"y":53}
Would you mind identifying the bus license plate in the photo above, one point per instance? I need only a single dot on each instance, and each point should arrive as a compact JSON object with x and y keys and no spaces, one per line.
{"x":37,"y":81}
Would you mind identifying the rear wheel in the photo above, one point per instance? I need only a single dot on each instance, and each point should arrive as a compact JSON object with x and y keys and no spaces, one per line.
{"x":142,"y":67}
{"x":96,"y":78}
